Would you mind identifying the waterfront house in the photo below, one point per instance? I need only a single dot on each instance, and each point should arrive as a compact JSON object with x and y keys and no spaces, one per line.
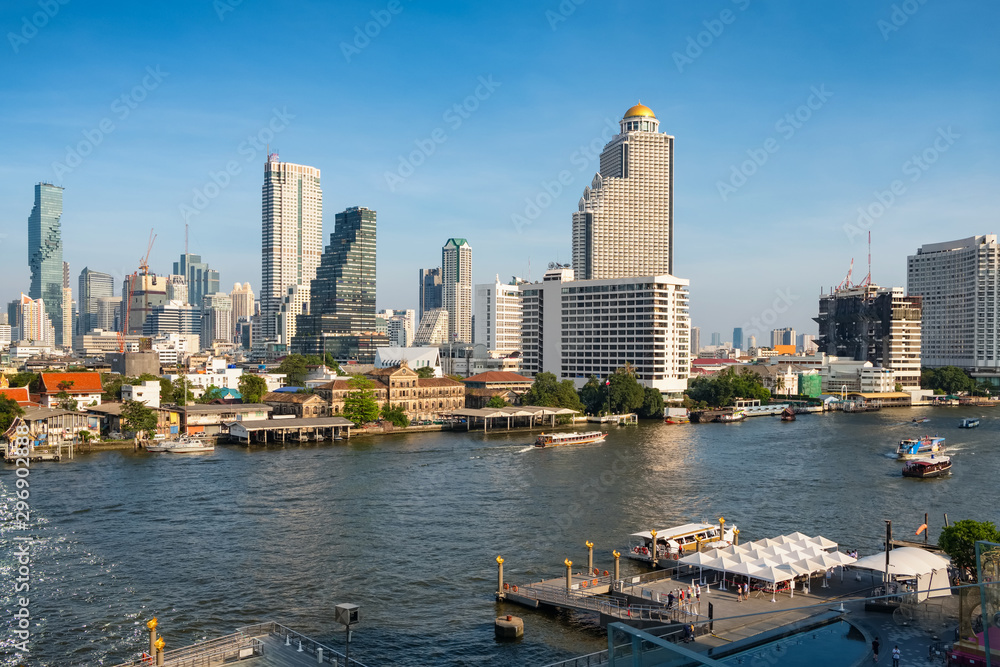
{"x":211,"y":419}
{"x":302,"y":406}
{"x":110,"y":415}
{"x":84,"y":388}
{"x":479,"y":389}
{"x":50,"y":427}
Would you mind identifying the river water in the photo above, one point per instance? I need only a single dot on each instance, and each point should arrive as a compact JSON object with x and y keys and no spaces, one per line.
{"x":409,"y":526}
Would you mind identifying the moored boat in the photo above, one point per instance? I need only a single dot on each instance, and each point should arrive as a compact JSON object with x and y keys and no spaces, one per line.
{"x":672,"y":543}
{"x":918,"y":448}
{"x":788,"y":415}
{"x":969,"y":422}
{"x":560,"y":439}
{"x":181,"y":445}
{"x":935,"y":466}
{"x":731,"y":416}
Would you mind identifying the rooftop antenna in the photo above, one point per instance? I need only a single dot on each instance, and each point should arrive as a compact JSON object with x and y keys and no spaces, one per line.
{"x":185,"y":238}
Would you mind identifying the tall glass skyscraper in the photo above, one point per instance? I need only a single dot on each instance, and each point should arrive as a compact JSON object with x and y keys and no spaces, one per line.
{"x":45,"y":253}
{"x":430,"y":291}
{"x":201,"y":280}
{"x":93,"y":286}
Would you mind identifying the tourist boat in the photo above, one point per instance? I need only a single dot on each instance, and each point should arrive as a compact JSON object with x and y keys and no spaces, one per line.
{"x":731,"y":416}
{"x":560,"y":439}
{"x":917,"y":448}
{"x":181,"y":445}
{"x":671,"y":543}
{"x":788,"y":415}
{"x":677,"y":419}
{"x":969,"y":422}
{"x":935,"y":466}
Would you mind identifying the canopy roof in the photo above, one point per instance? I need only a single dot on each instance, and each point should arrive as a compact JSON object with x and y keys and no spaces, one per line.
{"x":774,"y":559}
{"x":679,"y":531}
{"x":904,"y":561}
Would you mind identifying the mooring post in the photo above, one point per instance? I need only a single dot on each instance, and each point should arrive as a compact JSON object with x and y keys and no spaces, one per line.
{"x":617,"y":571}
{"x":736,"y":536}
{"x":590,"y":556}
{"x":652,"y":551}
{"x":569,"y":575}
{"x":159,"y":652}
{"x":152,"y":635}
{"x":500,"y":594}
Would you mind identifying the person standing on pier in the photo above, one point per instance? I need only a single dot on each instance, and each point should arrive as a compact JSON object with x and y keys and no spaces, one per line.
{"x":875,"y":648}
{"x":895,"y":656}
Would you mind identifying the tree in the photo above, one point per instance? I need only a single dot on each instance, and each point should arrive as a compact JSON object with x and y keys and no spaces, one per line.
{"x":425,"y":372}
{"x":652,"y":404}
{"x":182,"y":392}
{"x":9,"y":410}
{"x":959,"y":542}
{"x":32,"y":380}
{"x":294,"y":366}
{"x":948,"y":379}
{"x":66,"y":401}
{"x":360,"y":405}
{"x":593,"y":396}
{"x":211,"y":393}
{"x":625,"y":392}
{"x":725,"y":387}
{"x":166,"y":391}
{"x":137,"y":418}
{"x":497,"y":401}
{"x":85,"y":436}
{"x":252,"y":387}
{"x":547,"y":391}
{"x":111,"y":383}
{"x":395,"y":415}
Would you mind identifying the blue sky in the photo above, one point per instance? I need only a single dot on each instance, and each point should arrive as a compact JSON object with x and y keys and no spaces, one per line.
{"x":162,"y":96}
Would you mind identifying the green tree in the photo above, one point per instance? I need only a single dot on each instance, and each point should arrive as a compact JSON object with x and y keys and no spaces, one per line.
{"x":725,"y":387}
{"x":111,"y":383}
{"x":593,"y":396}
{"x":85,"y":436}
{"x":360,"y":405}
{"x":166,"y":391}
{"x":137,"y":418}
{"x":395,"y":415}
{"x":66,"y":401}
{"x":294,"y":366}
{"x":9,"y":410}
{"x":547,"y":391}
{"x":182,"y":392}
{"x":959,"y":542}
{"x":626,"y":394}
{"x":496,"y":402}
{"x":252,"y":387}
{"x":652,"y":404}
{"x":425,"y":372}
{"x":32,"y":380}
{"x":211,"y":393}
{"x":949,"y":379}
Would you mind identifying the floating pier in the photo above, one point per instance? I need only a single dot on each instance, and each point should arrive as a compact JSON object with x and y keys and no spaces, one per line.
{"x":289,"y":430}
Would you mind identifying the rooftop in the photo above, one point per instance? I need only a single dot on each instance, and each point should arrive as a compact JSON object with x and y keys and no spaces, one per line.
{"x":83,"y":383}
{"x":498,"y":376}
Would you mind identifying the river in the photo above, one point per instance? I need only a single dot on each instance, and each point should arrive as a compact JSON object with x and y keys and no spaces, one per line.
{"x":408,"y":527}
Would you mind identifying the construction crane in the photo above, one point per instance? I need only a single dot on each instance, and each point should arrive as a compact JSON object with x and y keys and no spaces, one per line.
{"x":131,"y":279}
{"x":847,"y":281}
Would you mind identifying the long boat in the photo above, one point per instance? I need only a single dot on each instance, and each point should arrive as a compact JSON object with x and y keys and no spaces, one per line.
{"x":671,"y":543}
{"x":935,"y":466}
{"x":918,"y":448}
{"x":969,"y":422}
{"x":560,"y":439}
{"x":181,"y":445}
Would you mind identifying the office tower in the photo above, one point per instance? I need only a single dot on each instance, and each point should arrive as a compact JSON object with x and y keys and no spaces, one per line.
{"x":147,"y":291}
{"x":498,"y":316}
{"x":456,"y":289}
{"x":216,"y":319}
{"x":400,"y":325}
{"x":243,"y":305}
{"x":291,"y":243}
{"x":433,"y":328}
{"x":751,"y":342}
{"x":430,"y":291}
{"x":624,"y":225}
{"x":177,"y":289}
{"x":716,"y":339}
{"x":578,"y":328}
{"x":959,"y":286}
{"x":92,"y":286}
{"x":174,"y":317}
{"x":807,"y":344}
{"x":876,"y":324}
{"x":33,"y":323}
{"x":738,"y":338}
{"x":784,"y":336}
{"x":343,"y":291}
{"x":695,"y":341}
{"x":109,"y":313}
{"x":66,"y":340}
{"x":45,"y":253}
{"x":200,"y":279}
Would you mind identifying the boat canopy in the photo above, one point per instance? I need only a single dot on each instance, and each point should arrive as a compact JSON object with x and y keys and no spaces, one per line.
{"x":679,"y":531}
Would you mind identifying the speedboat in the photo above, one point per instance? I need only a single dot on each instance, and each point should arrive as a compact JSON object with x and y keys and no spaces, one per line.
{"x":969,"y":422}
{"x":182,"y":445}
{"x":935,"y":466}
{"x":731,"y":417}
{"x":918,"y":448}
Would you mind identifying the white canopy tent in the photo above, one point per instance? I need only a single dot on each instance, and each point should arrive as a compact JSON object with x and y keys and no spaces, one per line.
{"x":930,"y":570}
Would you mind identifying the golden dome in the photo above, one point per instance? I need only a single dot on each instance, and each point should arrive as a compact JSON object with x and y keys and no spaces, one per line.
{"x":640,"y":110}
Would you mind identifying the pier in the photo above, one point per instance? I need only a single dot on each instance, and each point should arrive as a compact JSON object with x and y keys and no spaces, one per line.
{"x":293,"y":430}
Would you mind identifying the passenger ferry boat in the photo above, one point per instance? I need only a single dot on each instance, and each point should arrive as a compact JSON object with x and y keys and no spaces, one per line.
{"x":560,"y":439}
{"x":969,"y":422}
{"x":918,"y":448}
{"x":672,"y":543}
{"x":935,"y":466}
{"x":731,"y":417}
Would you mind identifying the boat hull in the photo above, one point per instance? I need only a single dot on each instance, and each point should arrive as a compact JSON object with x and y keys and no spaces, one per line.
{"x":546,"y":442}
{"x":927,"y":474}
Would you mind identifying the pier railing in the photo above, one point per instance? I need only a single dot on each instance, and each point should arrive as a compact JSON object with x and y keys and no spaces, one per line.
{"x":608,"y":605}
{"x":211,"y":652}
{"x":297,"y":639}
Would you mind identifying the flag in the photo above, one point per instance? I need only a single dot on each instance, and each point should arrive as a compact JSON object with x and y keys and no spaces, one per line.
{"x":607,"y":382}
{"x":922,"y":528}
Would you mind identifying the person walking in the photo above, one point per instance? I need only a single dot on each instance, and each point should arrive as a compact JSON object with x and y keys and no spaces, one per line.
{"x":875,"y":648}
{"x":895,"y":656}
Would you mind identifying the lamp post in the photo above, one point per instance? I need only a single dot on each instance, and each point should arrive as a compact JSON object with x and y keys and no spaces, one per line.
{"x":347,"y":615}
{"x":652,"y":552}
{"x":617,"y":556}
{"x":569,"y":575}
{"x":590,"y":555}
{"x":499,"y":577}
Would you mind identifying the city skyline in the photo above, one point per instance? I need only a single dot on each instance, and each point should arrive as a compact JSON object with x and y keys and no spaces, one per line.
{"x":835,"y":107}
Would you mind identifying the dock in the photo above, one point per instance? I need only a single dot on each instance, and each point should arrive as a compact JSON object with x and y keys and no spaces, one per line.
{"x":264,"y":431}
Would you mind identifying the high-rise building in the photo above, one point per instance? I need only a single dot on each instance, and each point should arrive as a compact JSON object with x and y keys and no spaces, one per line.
{"x":695,"y":341}
{"x":498,"y":316}
{"x":200,"y":279}
{"x":751,"y":342}
{"x":959,"y":286}
{"x":624,"y":225}
{"x":177,"y":289}
{"x":433,"y":328}
{"x":148,"y":291}
{"x":45,"y":253}
{"x":93,"y":285}
{"x":109,"y":313}
{"x":291,"y":243}
{"x":716,"y":339}
{"x":400,"y":325}
{"x":578,"y":328}
{"x":876,"y":324}
{"x":216,"y":319}
{"x":343,"y":292}
{"x":430,"y":291}
{"x":784,"y":336}
{"x":174,"y":317}
{"x":807,"y":344}
{"x":67,"y":309}
{"x":33,"y":323}
{"x":738,"y":338}
{"x":243,"y":306}
{"x":456,"y":289}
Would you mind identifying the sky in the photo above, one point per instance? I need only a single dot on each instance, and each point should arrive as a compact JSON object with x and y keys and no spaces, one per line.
{"x":799,"y":128}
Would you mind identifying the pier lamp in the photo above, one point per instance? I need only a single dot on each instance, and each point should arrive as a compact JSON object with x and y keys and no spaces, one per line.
{"x":569,"y":575}
{"x":152,"y":635}
{"x":590,"y":555}
{"x":159,"y":650}
{"x":617,"y":556}
{"x":347,"y":615}
{"x":652,"y":551}
{"x":499,"y":577}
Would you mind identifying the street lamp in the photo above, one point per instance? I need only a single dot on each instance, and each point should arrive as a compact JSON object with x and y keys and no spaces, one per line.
{"x":347,"y":615}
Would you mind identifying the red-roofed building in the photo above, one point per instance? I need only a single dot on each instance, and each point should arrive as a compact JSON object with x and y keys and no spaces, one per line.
{"x":479,"y":389}
{"x":704,"y":366}
{"x":18,"y":394}
{"x":84,"y":388}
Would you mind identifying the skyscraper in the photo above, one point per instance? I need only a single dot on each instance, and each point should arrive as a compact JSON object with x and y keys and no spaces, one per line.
{"x":216,"y":319}
{"x":430,"y":291}
{"x":695,"y":341}
{"x":67,"y":308}
{"x":716,"y":339}
{"x":33,"y":323}
{"x":624,"y":225}
{"x":738,"y":338}
{"x":93,"y":286}
{"x":343,"y":292}
{"x":201,"y":279}
{"x":456,"y":289}
{"x":291,"y":242}
{"x":243,"y":304}
{"x":498,"y":316}
{"x":45,"y":253}
{"x":784,"y":336}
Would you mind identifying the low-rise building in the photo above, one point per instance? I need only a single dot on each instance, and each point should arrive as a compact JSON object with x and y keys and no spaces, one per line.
{"x":212,"y":419}
{"x":147,"y":393}
{"x":84,"y":388}
{"x":110,"y":415}
{"x":420,"y":398}
{"x":481,"y":388}
{"x":303,"y":406}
